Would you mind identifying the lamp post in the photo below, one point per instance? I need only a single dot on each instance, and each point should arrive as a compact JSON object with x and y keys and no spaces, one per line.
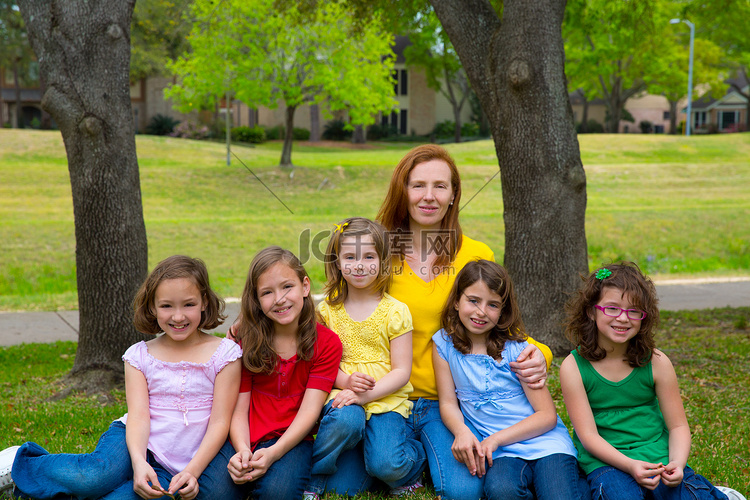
{"x":690,"y":72}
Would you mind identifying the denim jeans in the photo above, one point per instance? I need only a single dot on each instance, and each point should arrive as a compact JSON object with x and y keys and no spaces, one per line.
{"x":388,"y":452}
{"x":104,"y":473}
{"x":554,"y":477}
{"x":286,"y":478}
{"x":609,"y":483}
{"x":451,"y":478}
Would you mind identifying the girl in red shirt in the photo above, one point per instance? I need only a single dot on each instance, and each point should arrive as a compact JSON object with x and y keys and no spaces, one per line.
{"x":289,"y":366}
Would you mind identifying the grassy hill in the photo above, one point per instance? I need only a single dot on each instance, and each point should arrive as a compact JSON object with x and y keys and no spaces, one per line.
{"x":678,"y":206}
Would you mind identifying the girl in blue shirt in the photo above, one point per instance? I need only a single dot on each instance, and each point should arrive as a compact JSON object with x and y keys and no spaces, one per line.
{"x":504,"y":432}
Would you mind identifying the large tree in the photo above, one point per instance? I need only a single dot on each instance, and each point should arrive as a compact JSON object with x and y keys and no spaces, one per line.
{"x":83,"y":48}
{"x":263,"y":56}
{"x":514,"y":59}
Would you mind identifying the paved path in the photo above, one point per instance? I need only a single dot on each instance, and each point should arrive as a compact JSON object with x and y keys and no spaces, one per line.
{"x":28,"y":327}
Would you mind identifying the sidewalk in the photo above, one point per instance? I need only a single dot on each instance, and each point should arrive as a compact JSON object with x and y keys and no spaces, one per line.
{"x":29,"y":327}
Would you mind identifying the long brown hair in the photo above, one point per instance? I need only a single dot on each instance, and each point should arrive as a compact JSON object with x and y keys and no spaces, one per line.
{"x":394,"y":213}
{"x":176,"y":267}
{"x":509,"y":325}
{"x":580,"y":323}
{"x":255,"y":329}
{"x":336,"y":288}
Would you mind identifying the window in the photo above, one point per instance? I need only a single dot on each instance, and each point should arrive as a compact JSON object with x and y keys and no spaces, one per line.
{"x":727,"y":118}
{"x":402,"y":127}
{"x":397,"y":120}
{"x":401,"y":83}
{"x":699,"y":119}
{"x":666,"y":115}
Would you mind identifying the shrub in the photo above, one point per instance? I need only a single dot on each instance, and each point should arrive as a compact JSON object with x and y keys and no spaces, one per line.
{"x":646,"y":127}
{"x":300,"y":134}
{"x":335,"y":131}
{"x":376,"y":132}
{"x":444,"y":130}
{"x":253,"y":135}
{"x":189,"y":130}
{"x":161,"y":125}
{"x":274,"y":133}
{"x":592,"y":127}
{"x":470,"y":129}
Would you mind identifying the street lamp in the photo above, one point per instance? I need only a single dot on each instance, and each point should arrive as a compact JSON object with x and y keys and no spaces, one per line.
{"x":690,"y":72}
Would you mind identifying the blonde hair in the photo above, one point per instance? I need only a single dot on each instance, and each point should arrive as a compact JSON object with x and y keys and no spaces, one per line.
{"x":336,"y":287}
{"x":255,"y":330}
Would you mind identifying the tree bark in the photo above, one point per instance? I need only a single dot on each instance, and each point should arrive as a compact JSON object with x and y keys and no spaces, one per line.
{"x":673,"y":117}
{"x":286,"y":151}
{"x":517,"y":70}
{"x":83,"y":49}
{"x":17,"y":85}
{"x":358,"y":136}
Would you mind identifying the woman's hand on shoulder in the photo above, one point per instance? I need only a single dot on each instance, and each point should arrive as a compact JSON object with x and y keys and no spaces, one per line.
{"x":531,"y":367}
{"x":184,"y":483}
{"x":469,"y":451}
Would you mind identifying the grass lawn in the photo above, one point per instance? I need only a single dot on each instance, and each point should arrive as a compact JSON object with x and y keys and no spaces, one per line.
{"x":679,"y":206}
{"x":709,"y":349}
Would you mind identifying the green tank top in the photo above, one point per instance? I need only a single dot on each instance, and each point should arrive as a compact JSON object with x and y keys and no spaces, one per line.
{"x":627,"y":415}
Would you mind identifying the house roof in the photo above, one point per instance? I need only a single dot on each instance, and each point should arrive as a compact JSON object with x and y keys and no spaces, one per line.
{"x":731,"y":100}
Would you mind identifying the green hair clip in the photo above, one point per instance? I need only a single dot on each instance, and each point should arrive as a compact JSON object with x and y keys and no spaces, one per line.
{"x":603,"y":273}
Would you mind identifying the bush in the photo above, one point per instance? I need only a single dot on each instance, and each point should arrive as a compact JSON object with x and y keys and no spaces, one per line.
{"x":445,"y":130}
{"x":161,"y":125}
{"x":592,"y":127}
{"x":189,"y":130}
{"x":274,"y":133}
{"x":335,"y":131}
{"x":376,"y":132}
{"x":470,"y":129}
{"x":646,"y":127}
{"x":253,"y":135}
{"x":300,"y":134}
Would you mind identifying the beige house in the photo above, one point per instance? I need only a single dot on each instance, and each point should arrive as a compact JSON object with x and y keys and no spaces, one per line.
{"x":725,"y":114}
{"x":646,"y":107}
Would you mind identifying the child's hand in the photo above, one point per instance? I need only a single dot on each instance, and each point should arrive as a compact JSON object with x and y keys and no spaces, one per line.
{"x":361,"y":382}
{"x":646,"y":474}
{"x":239,"y":466}
{"x":468,"y":450}
{"x":531,"y":367}
{"x":145,"y":482}
{"x":185,"y":484}
{"x":672,"y":475}
{"x":489,"y":445}
{"x":345,"y":398}
{"x":262,"y":460}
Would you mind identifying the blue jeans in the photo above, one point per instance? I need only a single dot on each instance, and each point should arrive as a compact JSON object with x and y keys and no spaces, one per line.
{"x":388,"y":453}
{"x":609,"y":483}
{"x":450,"y":477}
{"x":104,"y":473}
{"x":286,"y":478}
{"x":554,"y":477}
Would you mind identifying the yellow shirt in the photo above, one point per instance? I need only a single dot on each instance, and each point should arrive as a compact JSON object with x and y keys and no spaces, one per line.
{"x":426,"y":301}
{"x":367,"y":347}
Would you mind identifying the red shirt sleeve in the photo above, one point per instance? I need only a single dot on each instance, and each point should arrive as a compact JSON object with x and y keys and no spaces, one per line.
{"x":326,"y":360}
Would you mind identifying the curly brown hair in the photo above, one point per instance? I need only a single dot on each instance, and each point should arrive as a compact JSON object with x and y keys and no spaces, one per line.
{"x":580,"y":322}
{"x":509,"y":325}
{"x":336,"y":288}
{"x":176,"y":267}
{"x":255,"y":330}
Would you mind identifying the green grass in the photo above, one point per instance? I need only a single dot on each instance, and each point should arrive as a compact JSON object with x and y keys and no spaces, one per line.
{"x":708,"y":350}
{"x":678,"y":206}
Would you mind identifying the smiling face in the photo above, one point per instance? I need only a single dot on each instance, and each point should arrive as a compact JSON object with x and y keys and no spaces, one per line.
{"x":281,"y":294}
{"x":430,"y":193}
{"x":359,"y":261}
{"x":617,"y":330}
{"x":178,"y":305}
{"x":479,"y":309}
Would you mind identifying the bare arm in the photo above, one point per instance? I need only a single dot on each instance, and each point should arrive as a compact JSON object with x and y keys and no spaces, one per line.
{"x":239,"y":433}
{"x":466,"y":447}
{"x":226,"y":388}
{"x":401,"y":354}
{"x":670,"y":403}
{"x":137,"y":431}
{"x":582,"y":418}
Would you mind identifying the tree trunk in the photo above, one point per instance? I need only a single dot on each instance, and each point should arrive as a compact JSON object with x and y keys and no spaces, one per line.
{"x":17,"y":118}
{"x":358,"y":136}
{"x":517,"y":69}
{"x":286,"y":151}
{"x":673,"y":117}
{"x":456,"y":122}
{"x":314,"y":123}
{"x":83,"y":48}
